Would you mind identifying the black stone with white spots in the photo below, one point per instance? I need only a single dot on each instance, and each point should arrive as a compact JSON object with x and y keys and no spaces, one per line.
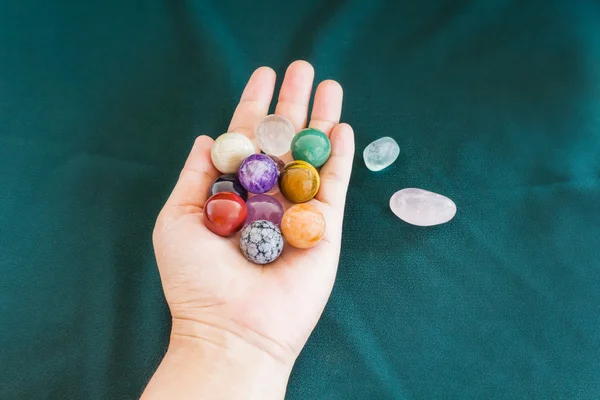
{"x":261,"y":242}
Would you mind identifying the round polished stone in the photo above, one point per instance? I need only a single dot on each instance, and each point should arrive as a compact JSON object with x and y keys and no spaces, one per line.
{"x":264,"y":207}
{"x":258,"y":173}
{"x":261,"y":242}
{"x":228,"y":183}
{"x":381,"y":153}
{"x":311,"y":145}
{"x":229,"y":150}
{"x":299,"y":182}
{"x":421,"y":207}
{"x":225,"y":213}
{"x":280,"y":166}
{"x":279,"y":162}
{"x":275,"y":134}
{"x":303,"y":226}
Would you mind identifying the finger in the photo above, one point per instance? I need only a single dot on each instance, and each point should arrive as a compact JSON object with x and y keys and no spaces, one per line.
{"x":327,"y":107}
{"x":335,"y":174}
{"x":191,"y":190}
{"x":294,"y":95}
{"x":254,"y":103}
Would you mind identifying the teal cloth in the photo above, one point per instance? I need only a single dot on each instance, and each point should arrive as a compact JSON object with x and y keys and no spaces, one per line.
{"x":495,"y":104}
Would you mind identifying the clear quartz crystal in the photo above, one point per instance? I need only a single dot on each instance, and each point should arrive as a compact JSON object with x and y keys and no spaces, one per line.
{"x":421,"y":207}
{"x":275,"y":134}
{"x":381,"y":153}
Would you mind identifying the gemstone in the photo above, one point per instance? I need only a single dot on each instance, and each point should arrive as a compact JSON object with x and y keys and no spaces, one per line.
{"x":264,"y":207}
{"x":261,"y":242}
{"x":279,"y":162}
{"x":258,"y":173}
{"x":225,"y":213}
{"x":299,"y":182}
{"x":421,"y":207}
{"x":280,"y":165}
{"x":303,"y":226}
{"x":229,"y":150}
{"x":311,"y":145}
{"x":381,"y":153}
{"x":228,"y":183}
{"x":275,"y":134}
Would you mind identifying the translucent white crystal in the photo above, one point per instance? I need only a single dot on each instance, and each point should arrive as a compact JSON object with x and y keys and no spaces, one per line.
{"x":381,"y":153}
{"x":275,"y":134}
{"x":421,"y":207}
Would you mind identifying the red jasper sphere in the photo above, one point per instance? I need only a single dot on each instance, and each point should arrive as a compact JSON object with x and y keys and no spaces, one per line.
{"x":225,"y":213}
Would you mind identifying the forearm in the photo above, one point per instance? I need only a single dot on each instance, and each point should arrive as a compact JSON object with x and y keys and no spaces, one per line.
{"x":224,"y":368}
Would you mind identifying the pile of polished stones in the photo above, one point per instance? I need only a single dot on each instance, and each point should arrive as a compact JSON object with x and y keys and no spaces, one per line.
{"x":246,"y":196}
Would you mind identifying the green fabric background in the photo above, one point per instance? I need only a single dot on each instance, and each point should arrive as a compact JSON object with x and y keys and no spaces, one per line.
{"x":495,"y":104}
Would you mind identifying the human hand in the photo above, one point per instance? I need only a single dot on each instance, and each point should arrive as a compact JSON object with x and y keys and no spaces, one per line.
{"x":219,"y":300}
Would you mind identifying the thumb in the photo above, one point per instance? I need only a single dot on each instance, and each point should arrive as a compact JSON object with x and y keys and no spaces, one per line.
{"x":191,"y":190}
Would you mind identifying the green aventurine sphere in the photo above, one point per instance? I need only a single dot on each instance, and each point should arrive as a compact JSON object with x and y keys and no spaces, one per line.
{"x":311,"y":145}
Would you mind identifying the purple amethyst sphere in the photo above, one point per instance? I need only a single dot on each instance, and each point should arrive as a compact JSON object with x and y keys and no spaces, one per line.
{"x":258,"y":173}
{"x":264,"y":207}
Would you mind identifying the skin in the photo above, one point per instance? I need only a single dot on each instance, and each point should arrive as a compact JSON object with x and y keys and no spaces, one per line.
{"x":237,"y":327}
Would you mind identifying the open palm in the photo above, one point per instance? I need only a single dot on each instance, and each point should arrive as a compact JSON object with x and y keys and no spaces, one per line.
{"x":208,"y":283}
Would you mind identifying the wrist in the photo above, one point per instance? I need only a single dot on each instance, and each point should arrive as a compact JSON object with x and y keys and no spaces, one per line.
{"x":204,"y":362}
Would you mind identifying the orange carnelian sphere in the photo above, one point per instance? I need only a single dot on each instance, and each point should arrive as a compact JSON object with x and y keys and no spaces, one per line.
{"x":303,"y":226}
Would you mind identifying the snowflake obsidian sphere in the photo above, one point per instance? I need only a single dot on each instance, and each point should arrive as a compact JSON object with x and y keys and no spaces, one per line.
{"x":261,"y":242}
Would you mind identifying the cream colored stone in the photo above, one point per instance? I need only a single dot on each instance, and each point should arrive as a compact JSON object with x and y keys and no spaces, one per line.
{"x":229,"y":150}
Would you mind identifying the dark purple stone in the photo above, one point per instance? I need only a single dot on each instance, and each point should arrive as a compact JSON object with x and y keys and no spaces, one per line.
{"x":228,"y":183}
{"x":264,"y":207}
{"x":258,"y":173}
{"x":280,"y":164}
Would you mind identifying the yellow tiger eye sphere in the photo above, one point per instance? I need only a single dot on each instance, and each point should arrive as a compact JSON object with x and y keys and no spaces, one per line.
{"x":303,"y":226}
{"x":299,"y":181}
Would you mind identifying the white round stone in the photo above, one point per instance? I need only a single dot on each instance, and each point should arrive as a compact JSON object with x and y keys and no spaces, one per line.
{"x":421,"y":207}
{"x":381,"y":153}
{"x":229,"y":150}
{"x":275,"y":134}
